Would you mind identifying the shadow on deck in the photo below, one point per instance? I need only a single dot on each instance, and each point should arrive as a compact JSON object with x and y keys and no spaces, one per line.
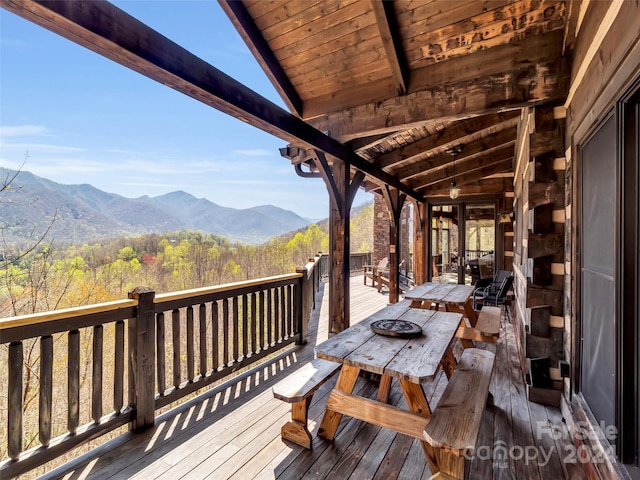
{"x":233,"y":430}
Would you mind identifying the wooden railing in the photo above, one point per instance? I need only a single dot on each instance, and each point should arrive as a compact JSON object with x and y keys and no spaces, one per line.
{"x":175,"y":343}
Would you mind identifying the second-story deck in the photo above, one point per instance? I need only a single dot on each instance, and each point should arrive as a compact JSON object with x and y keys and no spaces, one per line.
{"x":233,"y":430}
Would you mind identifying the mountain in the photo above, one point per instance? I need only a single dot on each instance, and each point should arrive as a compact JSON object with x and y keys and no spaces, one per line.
{"x":84,"y":213}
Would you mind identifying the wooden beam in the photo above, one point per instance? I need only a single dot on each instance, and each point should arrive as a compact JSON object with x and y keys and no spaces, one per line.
{"x":395,"y":201}
{"x":466,"y":165}
{"x":477,"y":148}
{"x":472,"y":176}
{"x":484,"y":188}
{"x":479,"y":126}
{"x":246,"y":27}
{"x":460,"y":133}
{"x":342,"y":190}
{"x":142,"y":49}
{"x":517,"y":88}
{"x":385,"y":20}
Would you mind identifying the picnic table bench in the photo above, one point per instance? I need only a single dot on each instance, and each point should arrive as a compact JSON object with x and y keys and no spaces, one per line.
{"x":452,"y":431}
{"x":298,"y":389}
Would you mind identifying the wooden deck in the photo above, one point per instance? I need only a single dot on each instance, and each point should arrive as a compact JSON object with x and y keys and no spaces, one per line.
{"x":233,"y":431}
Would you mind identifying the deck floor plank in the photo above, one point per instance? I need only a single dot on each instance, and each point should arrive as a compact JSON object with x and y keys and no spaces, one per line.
{"x":233,"y":430}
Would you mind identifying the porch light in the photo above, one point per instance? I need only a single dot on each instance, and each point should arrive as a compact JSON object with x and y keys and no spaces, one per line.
{"x":454,"y":191}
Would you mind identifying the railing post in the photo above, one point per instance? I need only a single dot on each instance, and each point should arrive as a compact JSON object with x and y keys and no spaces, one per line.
{"x":142,"y":341}
{"x":302,"y":306}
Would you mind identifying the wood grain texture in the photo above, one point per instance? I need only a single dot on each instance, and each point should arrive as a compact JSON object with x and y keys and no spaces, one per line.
{"x":455,"y":422}
{"x":306,"y":380}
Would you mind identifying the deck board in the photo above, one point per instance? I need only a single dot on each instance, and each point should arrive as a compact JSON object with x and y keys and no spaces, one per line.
{"x":233,"y":430}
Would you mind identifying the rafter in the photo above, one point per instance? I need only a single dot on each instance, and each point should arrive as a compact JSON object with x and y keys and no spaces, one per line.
{"x":383,"y":12}
{"x":479,"y":126}
{"x":470,"y":177}
{"x":517,"y":88}
{"x":464,"y":166}
{"x":252,"y":36}
{"x":474,"y":149}
{"x":142,"y":49}
{"x":485,"y":64}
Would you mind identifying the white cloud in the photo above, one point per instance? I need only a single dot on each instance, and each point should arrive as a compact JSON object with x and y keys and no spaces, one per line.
{"x":22,"y":130}
{"x":256,"y":152}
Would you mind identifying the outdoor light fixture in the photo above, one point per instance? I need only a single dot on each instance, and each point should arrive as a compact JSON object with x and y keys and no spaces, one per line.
{"x":454,"y":191}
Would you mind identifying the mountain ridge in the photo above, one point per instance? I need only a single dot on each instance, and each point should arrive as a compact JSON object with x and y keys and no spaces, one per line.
{"x":85,"y":213}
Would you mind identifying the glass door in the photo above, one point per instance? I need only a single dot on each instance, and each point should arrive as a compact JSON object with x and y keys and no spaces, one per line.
{"x":480,"y":241}
{"x":444,"y":243}
{"x":462,"y":258}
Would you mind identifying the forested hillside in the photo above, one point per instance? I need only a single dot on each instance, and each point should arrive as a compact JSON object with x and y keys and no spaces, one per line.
{"x":50,"y":277}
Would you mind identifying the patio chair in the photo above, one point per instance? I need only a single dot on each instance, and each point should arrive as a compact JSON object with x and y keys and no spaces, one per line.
{"x":495,"y":296}
{"x":492,"y":285}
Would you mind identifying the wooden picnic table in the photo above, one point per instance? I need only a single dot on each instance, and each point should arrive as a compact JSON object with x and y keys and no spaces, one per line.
{"x":412,"y":361}
{"x":454,"y":298}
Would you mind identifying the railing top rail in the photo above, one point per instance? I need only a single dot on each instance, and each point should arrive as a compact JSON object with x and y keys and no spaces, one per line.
{"x":228,"y":287}
{"x":66,"y":313}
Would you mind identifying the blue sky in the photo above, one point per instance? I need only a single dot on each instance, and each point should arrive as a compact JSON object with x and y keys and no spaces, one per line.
{"x":80,"y":118}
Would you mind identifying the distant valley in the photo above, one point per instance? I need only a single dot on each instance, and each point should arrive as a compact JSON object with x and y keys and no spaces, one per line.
{"x":84,"y":213}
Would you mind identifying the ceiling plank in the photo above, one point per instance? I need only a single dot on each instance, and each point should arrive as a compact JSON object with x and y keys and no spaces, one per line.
{"x":114,"y":34}
{"x":484,"y":125}
{"x":479,"y":147}
{"x":517,"y":21}
{"x":521,"y":87}
{"x":252,"y":36}
{"x":464,"y":166}
{"x":482,"y":64}
{"x":473,"y":176}
{"x":388,"y":33}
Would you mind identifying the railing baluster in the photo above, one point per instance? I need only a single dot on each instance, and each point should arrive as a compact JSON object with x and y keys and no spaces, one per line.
{"x":16,"y":372}
{"x":236,"y":339}
{"x":269,"y":317}
{"x":276,"y":313}
{"x":215,"y":337}
{"x":160,"y":354}
{"x":73,"y":384}
{"x":283,"y":312}
{"x":225,"y":331}
{"x":254,"y":326}
{"x":202,"y":317}
{"x":118,"y":376}
{"x":190,"y":345}
{"x":245,"y":325}
{"x":46,"y":389}
{"x":96,"y":377}
{"x":175,"y":332}
{"x":290,"y":309}
{"x":263,"y":330}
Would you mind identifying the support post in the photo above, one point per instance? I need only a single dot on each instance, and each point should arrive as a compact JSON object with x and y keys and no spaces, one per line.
{"x":301,"y":305}
{"x":342,"y":190}
{"x":420,"y":246}
{"x":142,"y":372}
{"x":394,"y":200}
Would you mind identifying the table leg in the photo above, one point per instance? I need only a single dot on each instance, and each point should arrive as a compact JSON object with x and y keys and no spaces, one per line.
{"x":331,"y":419}
{"x":471,"y":313}
{"x":384,"y":389}
{"x":417,"y":403}
{"x":449,"y":362}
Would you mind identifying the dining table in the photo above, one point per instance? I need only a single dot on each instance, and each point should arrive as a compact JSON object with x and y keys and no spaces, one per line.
{"x":450,"y":296}
{"x":411,"y":360}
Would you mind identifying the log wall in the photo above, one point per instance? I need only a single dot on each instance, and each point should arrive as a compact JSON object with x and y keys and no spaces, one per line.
{"x":539,"y":265}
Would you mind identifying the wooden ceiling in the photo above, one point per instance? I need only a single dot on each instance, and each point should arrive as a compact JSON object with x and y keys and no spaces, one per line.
{"x":402,"y":82}
{"x":387,"y":87}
